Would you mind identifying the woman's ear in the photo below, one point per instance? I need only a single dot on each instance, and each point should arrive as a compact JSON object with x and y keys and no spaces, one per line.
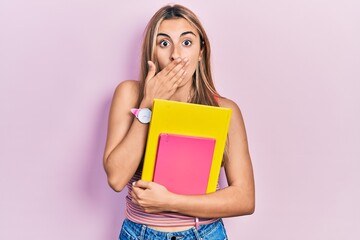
{"x":202,"y":46}
{"x":201,"y":54}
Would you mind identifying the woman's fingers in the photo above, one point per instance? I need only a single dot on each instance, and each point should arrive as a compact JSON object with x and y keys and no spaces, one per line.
{"x":177,"y":79}
{"x":164,"y":83}
{"x":174,"y":72}
{"x":171,"y":70}
{"x":171,"y":66}
{"x":152,"y":70}
{"x":142,"y":184}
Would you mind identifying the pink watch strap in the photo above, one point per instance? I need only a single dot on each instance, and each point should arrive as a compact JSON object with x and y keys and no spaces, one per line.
{"x":134,"y":111}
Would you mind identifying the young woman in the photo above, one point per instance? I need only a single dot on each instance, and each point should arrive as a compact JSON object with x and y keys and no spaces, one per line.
{"x":175,"y":65}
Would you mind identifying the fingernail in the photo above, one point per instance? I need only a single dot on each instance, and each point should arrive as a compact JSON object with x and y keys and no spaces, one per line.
{"x":133,"y":183}
{"x":186,"y":59}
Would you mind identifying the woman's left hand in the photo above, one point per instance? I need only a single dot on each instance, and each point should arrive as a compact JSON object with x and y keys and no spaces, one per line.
{"x":151,"y":196}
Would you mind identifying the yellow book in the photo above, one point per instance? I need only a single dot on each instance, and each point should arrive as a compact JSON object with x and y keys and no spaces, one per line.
{"x":187,"y":119}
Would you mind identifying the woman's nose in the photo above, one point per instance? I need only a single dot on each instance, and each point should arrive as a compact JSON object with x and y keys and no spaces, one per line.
{"x":175,"y":53}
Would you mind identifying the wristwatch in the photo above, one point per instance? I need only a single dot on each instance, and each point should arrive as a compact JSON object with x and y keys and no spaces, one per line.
{"x":142,"y":114}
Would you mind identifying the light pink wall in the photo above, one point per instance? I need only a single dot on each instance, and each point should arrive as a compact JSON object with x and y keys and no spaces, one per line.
{"x":292,"y":66}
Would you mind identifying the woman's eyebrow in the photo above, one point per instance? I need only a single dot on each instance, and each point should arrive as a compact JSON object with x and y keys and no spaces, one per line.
{"x":182,"y":34}
{"x":163,"y":34}
{"x":188,"y":32}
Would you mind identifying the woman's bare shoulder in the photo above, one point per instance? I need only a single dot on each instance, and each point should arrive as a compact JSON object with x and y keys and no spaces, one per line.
{"x":126,"y":93}
{"x":131,"y":86}
{"x":228,"y":103}
{"x":236,"y":112}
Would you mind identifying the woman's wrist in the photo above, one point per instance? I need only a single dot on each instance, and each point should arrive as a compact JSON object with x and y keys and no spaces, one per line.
{"x":172,"y":202}
{"x":145,"y":103}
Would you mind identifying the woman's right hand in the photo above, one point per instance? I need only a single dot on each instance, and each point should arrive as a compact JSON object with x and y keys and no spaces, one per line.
{"x":164,"y":84}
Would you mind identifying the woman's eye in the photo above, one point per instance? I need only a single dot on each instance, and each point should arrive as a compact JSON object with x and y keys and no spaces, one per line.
{"x":164,"y":43}
{"x":187,"y":43}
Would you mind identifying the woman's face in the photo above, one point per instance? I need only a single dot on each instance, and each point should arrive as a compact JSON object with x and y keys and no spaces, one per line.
{"x":177,"y":38}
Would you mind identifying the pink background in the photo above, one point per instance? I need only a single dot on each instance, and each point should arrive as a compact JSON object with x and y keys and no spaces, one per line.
{"x":292,"y":66}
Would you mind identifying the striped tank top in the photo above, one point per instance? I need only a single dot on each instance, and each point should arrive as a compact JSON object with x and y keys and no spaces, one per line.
{"x":136,"y":214}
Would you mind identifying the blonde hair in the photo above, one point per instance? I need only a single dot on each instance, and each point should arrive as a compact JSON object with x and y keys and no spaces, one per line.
{"x":203,"y":85}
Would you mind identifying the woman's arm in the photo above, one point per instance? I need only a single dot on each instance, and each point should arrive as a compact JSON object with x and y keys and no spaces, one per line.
{"x":126,"y":138}
{"x":235,"y":200}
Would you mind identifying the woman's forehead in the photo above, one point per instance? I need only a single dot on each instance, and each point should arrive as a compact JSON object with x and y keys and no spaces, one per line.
{"x":176,"y":27}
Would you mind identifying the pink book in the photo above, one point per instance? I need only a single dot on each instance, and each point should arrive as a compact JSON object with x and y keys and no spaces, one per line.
{"x":183,"y":163}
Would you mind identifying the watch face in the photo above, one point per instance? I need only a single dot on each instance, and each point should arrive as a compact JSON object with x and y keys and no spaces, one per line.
{"x":144,"y":115}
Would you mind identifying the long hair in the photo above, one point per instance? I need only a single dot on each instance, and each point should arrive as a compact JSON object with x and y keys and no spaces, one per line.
{"x":202,"y":82}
